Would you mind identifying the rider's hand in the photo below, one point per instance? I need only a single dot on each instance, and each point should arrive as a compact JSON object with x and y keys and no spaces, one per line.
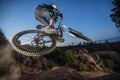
{"x":61,"y":15}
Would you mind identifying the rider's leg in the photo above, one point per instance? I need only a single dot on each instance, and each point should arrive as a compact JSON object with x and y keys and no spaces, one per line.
{"x":49,"y":27}
{"x":44,"y":16}
{"x":52,"y":22}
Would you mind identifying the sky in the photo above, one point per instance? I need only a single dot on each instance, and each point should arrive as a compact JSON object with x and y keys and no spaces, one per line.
{"x":90,"y":17}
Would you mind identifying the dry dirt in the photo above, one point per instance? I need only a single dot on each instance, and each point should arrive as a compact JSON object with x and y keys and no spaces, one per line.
{"x":61,"y":73}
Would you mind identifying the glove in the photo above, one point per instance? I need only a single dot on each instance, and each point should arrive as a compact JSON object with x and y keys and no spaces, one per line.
{"x":61,"y":15}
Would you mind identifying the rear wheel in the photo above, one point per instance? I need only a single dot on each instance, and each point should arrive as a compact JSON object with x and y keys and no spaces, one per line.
{"x":33,"y":43}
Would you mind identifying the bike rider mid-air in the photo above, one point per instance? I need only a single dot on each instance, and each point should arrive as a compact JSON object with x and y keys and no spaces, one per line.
{"x":48,"y":16}
{"x":44,"y":39}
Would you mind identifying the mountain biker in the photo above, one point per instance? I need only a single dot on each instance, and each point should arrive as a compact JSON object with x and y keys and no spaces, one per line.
{"x":48,"y":15}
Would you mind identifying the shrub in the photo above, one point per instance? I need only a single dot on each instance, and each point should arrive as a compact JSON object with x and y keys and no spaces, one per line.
{"x":110,"y":63}
{"x":69,"y":57}
{"x":56,"y":56}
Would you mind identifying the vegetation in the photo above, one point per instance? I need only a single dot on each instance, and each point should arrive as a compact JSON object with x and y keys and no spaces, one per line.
{"x":110,"y":63}
{"x":110,"y":46}
{"x":68,"y":59}
{"x":115,"y":15}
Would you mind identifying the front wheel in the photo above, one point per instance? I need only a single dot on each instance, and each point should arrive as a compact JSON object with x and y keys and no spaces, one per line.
{"x":33,"y":43}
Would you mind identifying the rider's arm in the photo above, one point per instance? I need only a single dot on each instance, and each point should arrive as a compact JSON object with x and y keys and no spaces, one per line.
{"x":56,"y":7}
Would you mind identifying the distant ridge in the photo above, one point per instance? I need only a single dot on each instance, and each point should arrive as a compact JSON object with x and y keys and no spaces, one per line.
{"x":115,"y":39}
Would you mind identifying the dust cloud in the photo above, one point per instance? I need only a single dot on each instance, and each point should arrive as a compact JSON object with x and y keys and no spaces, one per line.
{"x":8,"y":69}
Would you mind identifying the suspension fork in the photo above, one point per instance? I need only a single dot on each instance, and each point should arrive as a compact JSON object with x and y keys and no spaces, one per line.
{"x":60,"y":28}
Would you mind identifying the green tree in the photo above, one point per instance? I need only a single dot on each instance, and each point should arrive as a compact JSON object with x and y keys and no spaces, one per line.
{"x":115,"y":15}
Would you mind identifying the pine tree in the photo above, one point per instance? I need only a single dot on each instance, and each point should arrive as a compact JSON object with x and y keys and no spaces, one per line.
{"x":115,"y":15}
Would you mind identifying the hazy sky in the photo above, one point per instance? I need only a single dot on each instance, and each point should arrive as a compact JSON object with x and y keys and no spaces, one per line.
{"x":91,"y":17}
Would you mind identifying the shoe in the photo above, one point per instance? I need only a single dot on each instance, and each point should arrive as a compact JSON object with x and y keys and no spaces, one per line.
{"x":50,"y":30}
{"x":39,"y":26}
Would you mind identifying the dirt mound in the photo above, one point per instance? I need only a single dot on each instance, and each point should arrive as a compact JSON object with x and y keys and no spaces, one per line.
{"x":31,"y":65}
{"x":80,"y":60}
{"x":92,"y":61}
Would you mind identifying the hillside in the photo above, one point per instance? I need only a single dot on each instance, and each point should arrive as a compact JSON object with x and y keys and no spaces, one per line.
{"x":87,"y":62}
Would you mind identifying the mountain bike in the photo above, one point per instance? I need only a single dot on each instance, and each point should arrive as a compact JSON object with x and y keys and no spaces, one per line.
{"x":38,"y":42}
